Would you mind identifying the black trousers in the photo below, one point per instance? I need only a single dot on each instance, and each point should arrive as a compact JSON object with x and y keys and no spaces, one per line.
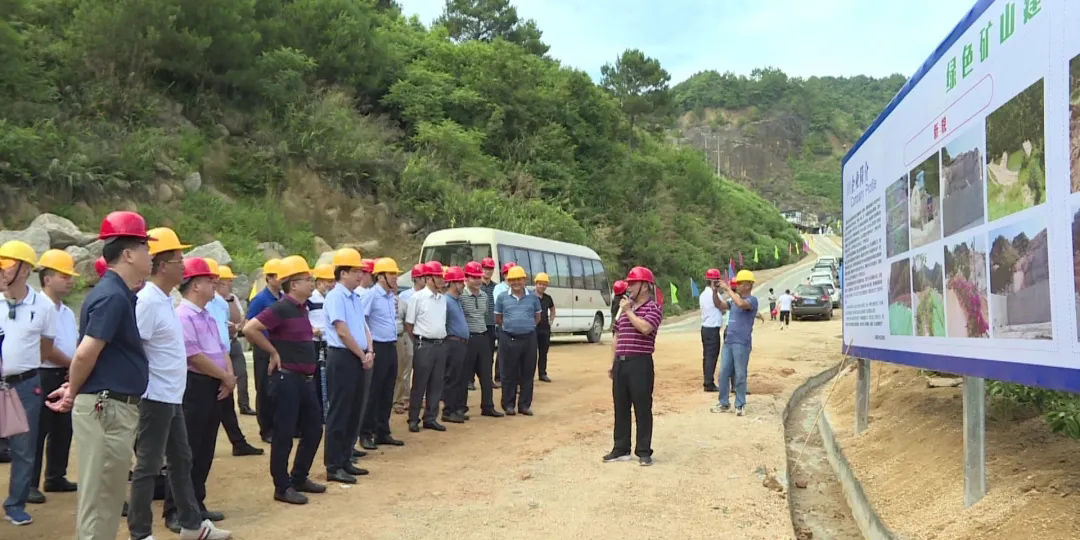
{"x":345,"y":386}
{"x":632,"y":385}
{"x":264,"y":405}
{"x":456,"y":393}
{"x":785,"y":317}
{"x":478,"y":364}
{"x":57,"y":428}
{"x":229,"y":420}
{"x":202,"y":417}
{"x":543,"y":342}
{"x":518,"y":356}
{"x":381,"y":397}
{"x":429,"y":375}
{"x":710,"y":346}
{"x":295,"y":405}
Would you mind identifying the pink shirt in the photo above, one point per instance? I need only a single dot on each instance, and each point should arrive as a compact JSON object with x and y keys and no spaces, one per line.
{"x":630,"y":342}
{"x":201,"y":335}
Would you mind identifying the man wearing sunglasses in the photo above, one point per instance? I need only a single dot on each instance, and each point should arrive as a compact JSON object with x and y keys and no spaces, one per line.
{"x":29,"y":329}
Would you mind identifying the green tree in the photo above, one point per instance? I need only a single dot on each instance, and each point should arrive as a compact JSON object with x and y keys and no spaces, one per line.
{"x":487,"y":20}
{"x":640,"y":85}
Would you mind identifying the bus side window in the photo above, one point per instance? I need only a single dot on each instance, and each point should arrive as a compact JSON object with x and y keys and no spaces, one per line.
{"x":602,"y":281}
{"x":521,"y":258}
{"x":564,"y":270}
{"x":506,"y":254}
{"x":553,"y":271}
{"x":577,"y":273}
{"x":536,"y":262}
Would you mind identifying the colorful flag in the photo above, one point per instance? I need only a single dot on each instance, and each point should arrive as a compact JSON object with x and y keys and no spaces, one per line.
{"x":755,"y":256}
{"x":731,"y":269}
{"x":805,"y":247}
{"x":776,"y":252}
{"x":694,"y":288}
{"x":674,"y":293}
{"x":740,"y":260}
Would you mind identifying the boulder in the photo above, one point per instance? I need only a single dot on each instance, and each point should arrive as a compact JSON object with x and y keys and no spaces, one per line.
{"x":85,"y":269}
{"x":95,"y":248}
{"x":242,"y":288}
{"x":271,"y":250}
{"x":321,"y":245}
{"x":215,"y":250}
{"x":325,"y":258}
{"x":38,"y":238}
{"x":368,"y":248}
{"x":164,"y":193}
{"x":193,"y":182}
{"x":62,"y":232}
{"x":79,"y":254}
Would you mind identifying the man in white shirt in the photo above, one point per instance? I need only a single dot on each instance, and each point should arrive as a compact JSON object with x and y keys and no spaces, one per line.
{"x":57,"y":277}
{"x":425,"y":320}
{"x":405,"y":341}
{"x":28,"y":330}
{"x":162,"y":431}
{"x":785,"y":302}
{"x":712,"y":319}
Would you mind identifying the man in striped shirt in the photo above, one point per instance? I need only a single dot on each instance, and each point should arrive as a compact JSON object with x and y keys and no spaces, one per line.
{"x":475,"y":302}
{"x":632,"y":371}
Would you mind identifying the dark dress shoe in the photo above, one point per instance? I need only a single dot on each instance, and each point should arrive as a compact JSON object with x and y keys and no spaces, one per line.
{"x":414,"y":427}
{"x":492,"y":413}
{"x":290,"y":496}
{"x":5,"y":456}
{"x":307,"y":486}
{"x":545,"y":378}
{"x":268,"y":439}
{"x":245,"y":449}
{"x":453,"y":418}
{"x":247,"y":411}
{"x":61,"y":486}
{"x":388,"y":440}
{"x":711,"y":388}
{"x":123,"y":513}
{"x":368,"y":442}
{"x":212,"y":515}
{"x":340,"y":476}
{"x":434,"y":425}
{"x":510,"y":412}
{"x":172,"y":522}
{"x":35,"y":496}
{"x":358,"y":453}
{"x":526,"y":412}
{"x":355,"y":471}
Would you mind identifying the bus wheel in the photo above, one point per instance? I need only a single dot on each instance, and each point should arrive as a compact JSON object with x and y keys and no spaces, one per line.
{"x":596,"y":330}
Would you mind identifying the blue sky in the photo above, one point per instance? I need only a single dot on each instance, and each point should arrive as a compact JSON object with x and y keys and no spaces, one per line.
{"x":970,"y":138}
{"x":1030,"y":226}
{"x":801,"y":37}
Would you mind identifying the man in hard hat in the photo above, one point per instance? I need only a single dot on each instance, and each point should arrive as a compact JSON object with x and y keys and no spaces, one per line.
{"x":57,"y":273}
{"x":348,"y":356}
{"x":367,"y":277}
{"x":735,"y":355}
{"x":292,"y":367}
{"x":488,"y":286}
{"x":711,"y":321}
{"x":456,"y":393}
{"x":543,"y":328}
{"x":517,"y":314}
{"x":379,"y":307}
{"x":108,"y":374}
{"x":163,"y":424}
{"x":29,"y":330}
{"x":264,"y":406}
{"x":425,"y":319}
{"x":225,"y":307}
{"x":405,"y":345}
{"x":474,"y":303}
{"x":324,"y":281}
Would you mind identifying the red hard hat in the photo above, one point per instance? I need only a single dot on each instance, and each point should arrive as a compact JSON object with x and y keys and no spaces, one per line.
{"x":454,"y":274}
{"x":418,"y":270}
{"x":640,"y":273}
{"x":733,"y":284}
{"x":368,"y":266}
{"x":474,"y":269}
{"x":506,"y":267}
{"x":619,"y":287}
{"x":712,"y":273}
{"x":101,"y":267}
{"x":196,"y":267}
{"x":488,"y":262}
{"x":435,"y":269}
{"x":123,"y":223}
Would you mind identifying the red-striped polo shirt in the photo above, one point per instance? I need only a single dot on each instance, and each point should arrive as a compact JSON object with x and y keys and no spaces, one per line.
{"x":629,"y":341}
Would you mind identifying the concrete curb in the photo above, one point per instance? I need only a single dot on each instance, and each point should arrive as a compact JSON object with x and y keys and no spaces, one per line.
{"x":869,"y":522}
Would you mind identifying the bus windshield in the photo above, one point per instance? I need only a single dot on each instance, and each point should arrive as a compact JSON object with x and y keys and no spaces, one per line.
{"x":455,"y":254}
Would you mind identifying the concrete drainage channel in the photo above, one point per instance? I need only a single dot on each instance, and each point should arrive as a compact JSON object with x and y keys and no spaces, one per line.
{"x":825,"y":499}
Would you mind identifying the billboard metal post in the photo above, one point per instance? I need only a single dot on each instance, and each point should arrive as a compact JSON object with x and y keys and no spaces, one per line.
{"x":974,"y":439}
{"x":862,"y":396}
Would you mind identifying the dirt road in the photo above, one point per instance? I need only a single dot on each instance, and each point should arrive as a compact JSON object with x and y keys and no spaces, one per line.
{"x":542,"y":477}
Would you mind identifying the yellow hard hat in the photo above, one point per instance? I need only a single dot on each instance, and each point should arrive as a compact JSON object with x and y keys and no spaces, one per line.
{"x":58,"y":260}
{"x":224,"y":272}
{"x":270,"y":268}
{"x":215,"y":268}
{"x":516,"y":272}
{"x":15,"y":250}
{"x":164,"y":239}
{"x":542,"y":278}
{"x":323,"y":271}
{"x":744,"y":275}
{"x":292,"y":266}
{"x":347,"y":257}
{"x":385,"y":265}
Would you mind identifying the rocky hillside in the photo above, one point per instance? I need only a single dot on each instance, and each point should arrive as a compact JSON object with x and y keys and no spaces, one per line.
{"x":782,"y":137}
{"x":281,"y":122}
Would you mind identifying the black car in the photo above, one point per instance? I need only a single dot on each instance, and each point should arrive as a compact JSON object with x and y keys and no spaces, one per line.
{"x":812,"y":301}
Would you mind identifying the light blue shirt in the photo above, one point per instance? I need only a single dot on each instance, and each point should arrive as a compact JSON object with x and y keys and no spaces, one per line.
{"x":341,"y":304}
{"x":740,"y":327}
{"x":219,"y":309}
{"x":518,"y":314}
{"x":500,"y":289}
{"x":455,"y":318}
{"x":380,"y":309}
{"x":406,"y":294}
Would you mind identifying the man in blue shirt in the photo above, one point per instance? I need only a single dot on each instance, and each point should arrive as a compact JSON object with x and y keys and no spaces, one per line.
{"x":379,"y":305}
{"x":735,"y":354}
{"x":264,"y":407}
{"x":517,"y":313}
{"x":348,"y":356}
{"x":457,"y":338}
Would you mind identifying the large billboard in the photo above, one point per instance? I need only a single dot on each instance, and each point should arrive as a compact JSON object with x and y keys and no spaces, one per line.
{"x":962,"y":205}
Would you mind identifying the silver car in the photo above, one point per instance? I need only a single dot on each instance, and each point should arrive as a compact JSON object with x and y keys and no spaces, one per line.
{"x":830,"y":286}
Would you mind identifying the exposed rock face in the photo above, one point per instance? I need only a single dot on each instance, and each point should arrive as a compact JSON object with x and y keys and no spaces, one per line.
{"x":215,"y":250}
{"x":62,"y":232}
{"x":38,"y":238}
{"x":271,"y":250}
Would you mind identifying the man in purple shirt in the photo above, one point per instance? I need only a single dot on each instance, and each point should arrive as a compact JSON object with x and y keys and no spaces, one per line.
{"x":210,"y":376}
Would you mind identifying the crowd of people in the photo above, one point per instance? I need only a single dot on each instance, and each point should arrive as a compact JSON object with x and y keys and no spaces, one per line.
{"x":142,"y":378}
